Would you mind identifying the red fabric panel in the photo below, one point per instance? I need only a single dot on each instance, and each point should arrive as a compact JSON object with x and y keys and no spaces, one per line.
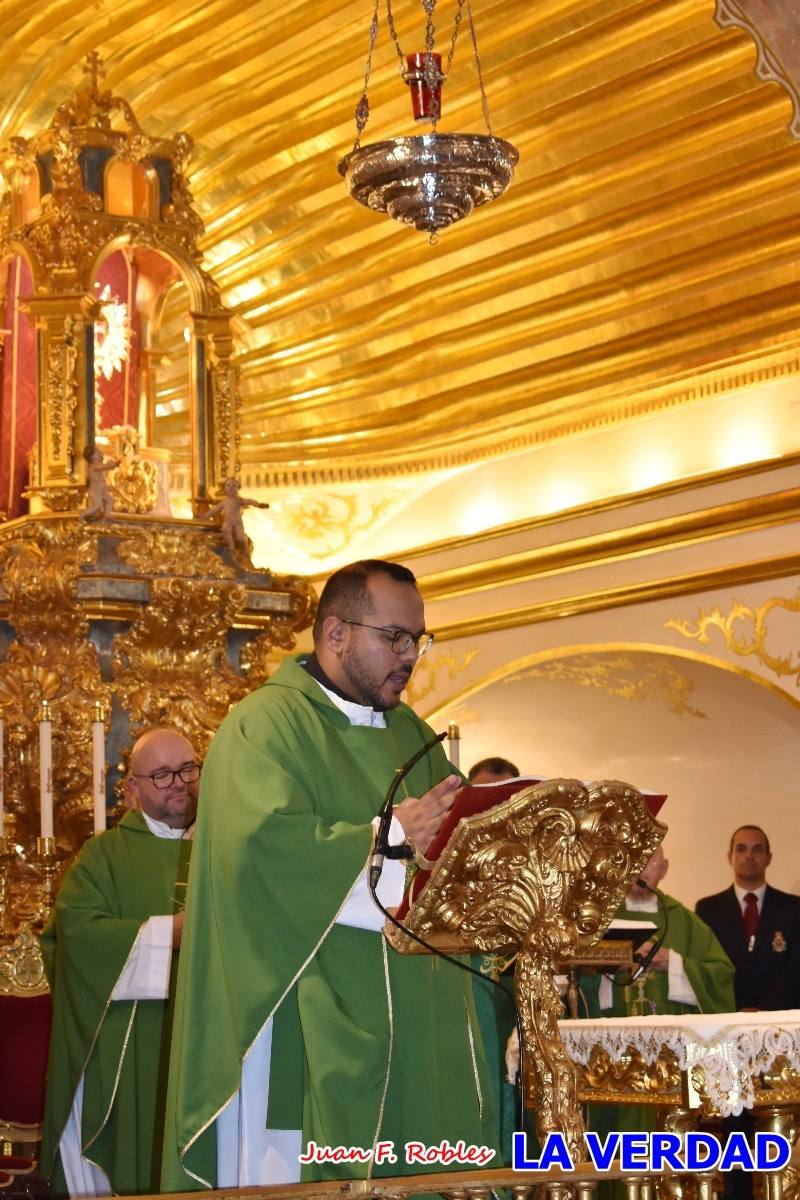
{"x":24,"y":1041}
{"x":120,"y":393}
{"x":17,"y":389}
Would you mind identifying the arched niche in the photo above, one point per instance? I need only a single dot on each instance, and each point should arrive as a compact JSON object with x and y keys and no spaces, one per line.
{"x":130,"y":189}
{"x":723,"y":743}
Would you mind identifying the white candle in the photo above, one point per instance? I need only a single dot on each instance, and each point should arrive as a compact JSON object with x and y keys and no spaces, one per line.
{"x":453,"y":738}
{"x":99,"y":768}
{"x":2,"y":781}
{"x":46,"y":769}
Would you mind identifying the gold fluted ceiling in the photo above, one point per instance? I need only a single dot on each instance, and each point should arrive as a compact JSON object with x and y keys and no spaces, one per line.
{"x":650,"y":239}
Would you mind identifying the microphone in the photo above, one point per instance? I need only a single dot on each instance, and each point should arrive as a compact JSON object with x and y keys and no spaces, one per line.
{"x":380,"y":846}
{"x":644,"y":962}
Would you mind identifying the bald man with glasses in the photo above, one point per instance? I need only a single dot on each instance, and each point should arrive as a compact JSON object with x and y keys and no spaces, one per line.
{"x":295,"y":1024}
{"x":110,"y":949}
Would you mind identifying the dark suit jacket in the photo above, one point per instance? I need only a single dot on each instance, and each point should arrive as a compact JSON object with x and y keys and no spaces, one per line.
{"x":768,"y":976}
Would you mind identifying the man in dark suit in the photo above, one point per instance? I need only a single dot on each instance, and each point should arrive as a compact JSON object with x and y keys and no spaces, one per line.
{"x":758,"y":926}
{"x":759,"y":929}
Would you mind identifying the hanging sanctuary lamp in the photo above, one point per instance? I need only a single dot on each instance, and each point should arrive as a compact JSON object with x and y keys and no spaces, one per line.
{"x":434,"y":179}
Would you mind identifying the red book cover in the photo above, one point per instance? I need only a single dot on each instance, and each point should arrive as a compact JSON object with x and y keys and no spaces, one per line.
{"x":477,"y":798}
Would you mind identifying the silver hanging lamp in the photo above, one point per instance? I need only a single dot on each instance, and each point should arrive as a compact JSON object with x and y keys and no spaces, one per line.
{"x":432,"y":180}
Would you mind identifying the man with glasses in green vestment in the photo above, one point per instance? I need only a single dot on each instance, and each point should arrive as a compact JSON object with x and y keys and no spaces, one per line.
{"x":109,"y":949}
{"x":296,"y":1025}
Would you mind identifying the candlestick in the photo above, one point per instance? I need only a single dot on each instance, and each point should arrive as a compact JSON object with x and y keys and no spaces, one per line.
{"x":99,"y":767}
{"x":46,"y":769}
{"x":453,"y":739}
{"x":47,"y":859}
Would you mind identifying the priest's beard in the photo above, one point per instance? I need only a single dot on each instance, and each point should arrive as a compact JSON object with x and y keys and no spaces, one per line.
{"x":368,"y":685}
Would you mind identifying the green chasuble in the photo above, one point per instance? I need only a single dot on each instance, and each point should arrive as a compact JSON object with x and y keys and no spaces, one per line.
{"x":707,"y":967}
{"x":118,"y":880}
{"x":367,"y":1044}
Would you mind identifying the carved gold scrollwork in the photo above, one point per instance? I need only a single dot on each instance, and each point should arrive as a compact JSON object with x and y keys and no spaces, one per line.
{"x":171,"y":552}
{"x":172,"y":665}
{"x":22,"y":966}
{"x":604,"y":1076}
{"x":745,"y":631}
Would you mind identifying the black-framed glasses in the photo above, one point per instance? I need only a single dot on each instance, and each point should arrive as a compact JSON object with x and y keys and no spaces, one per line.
{"x":400,"y":639}
{"x":164,"y":778}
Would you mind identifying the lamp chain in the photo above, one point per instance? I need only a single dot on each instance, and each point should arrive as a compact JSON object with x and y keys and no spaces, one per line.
{"x":454,"y":38}
{"x":362,"y":108}
{"x":484,"y":101}
{"x":395,"y":38}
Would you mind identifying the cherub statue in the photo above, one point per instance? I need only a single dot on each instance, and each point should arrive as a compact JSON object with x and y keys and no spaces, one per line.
{"x":98,"y":493}
{"x":230,"y":507}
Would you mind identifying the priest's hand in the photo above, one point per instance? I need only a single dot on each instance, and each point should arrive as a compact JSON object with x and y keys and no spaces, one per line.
{"x":421,"y":816}
{"x":177,"y":929}
{"x":659,"y":961}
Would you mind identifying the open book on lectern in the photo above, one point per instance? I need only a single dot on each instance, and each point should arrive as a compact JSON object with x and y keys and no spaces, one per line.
{"x":477,"y":798}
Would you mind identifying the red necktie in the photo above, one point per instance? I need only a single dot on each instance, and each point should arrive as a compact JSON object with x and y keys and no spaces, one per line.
{"x":750,"y":917}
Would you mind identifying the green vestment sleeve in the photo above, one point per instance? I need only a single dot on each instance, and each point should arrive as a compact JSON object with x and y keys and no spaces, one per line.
{"x":284,"y":830}
{"x":119,"y":880}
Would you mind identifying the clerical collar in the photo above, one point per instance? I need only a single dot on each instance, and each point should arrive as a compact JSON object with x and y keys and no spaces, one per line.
{"x":357,"y":714}
{"x":312,"y":665}
{"x":162,"y":830}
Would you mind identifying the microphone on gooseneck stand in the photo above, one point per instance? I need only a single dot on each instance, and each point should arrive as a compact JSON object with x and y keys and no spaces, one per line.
{"x":644,"y":962}
{"x":380,"y":847}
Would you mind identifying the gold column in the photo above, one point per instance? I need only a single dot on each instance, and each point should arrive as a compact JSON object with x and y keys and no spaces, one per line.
{"x":215,"y":413}
{"x":64,"y":398}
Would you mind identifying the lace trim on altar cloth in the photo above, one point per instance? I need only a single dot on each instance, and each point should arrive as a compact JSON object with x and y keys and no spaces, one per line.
{"x":731,"y":1054}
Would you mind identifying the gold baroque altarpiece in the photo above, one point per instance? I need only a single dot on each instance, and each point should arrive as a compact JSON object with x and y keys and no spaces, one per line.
{"x":136,"y":614}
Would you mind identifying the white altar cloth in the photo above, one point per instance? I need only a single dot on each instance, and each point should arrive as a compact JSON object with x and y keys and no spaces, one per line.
{"x":732,"y":1048}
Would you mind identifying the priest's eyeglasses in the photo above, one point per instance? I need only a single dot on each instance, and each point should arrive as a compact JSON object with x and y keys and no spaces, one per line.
{"x":400,"y":639}
{"x":164,"y":778}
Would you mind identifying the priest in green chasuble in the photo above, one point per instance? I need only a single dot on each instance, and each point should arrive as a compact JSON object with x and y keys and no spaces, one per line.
{"x":109,"y":949}
{"x":689,"y":973}
{"x":297,"y":1029}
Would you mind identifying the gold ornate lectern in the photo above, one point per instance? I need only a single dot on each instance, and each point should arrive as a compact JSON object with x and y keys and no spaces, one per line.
{"x":543,"y":874}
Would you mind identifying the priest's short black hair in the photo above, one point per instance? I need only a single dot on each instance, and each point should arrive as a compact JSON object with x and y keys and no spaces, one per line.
{"x":346,"y":594}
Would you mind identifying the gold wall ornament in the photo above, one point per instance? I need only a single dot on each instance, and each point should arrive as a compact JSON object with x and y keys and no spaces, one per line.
{"x":625,"y":676}
{"x":744,"y":629}
{"x":434,"y":667}
{"x":544,"y":873}
{"x":329,"y":522}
